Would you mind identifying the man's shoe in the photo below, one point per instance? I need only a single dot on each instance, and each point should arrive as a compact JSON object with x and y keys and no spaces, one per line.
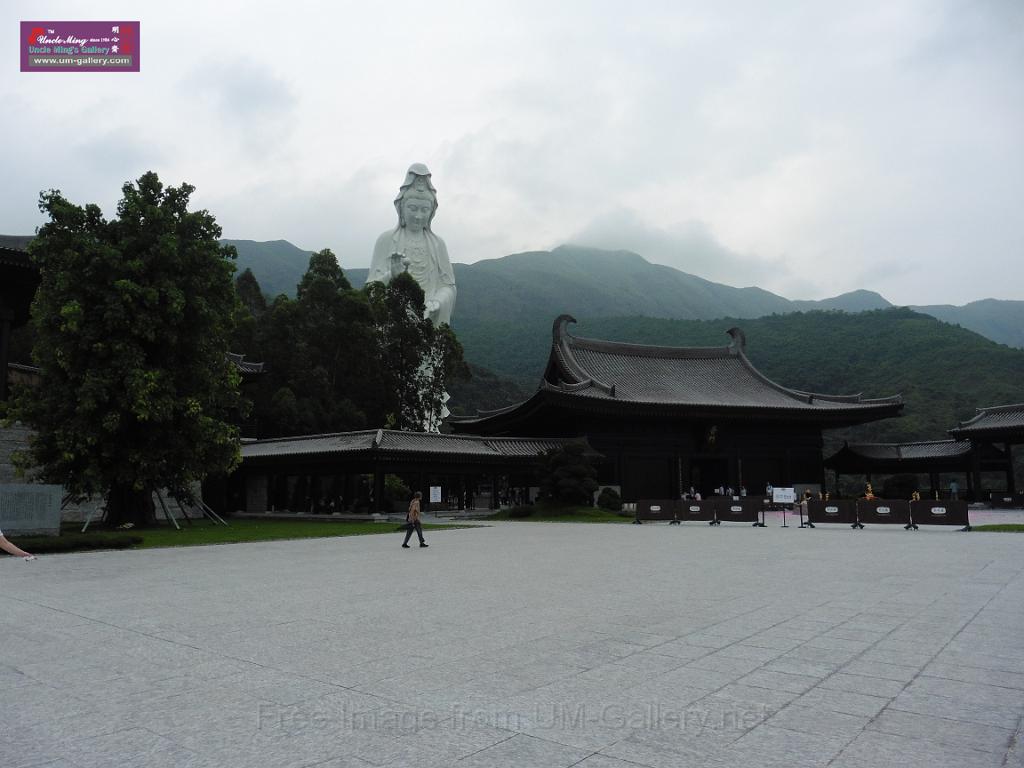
{"x":424,"y":544}
{"x":405,"y":546}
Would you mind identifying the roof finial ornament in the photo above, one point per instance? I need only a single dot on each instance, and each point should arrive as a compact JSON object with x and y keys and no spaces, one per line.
{"x":739,"y":340}
{"x":560,"y":327}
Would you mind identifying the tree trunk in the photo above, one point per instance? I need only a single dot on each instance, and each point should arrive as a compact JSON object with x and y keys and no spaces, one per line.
{"x":127,"y":505}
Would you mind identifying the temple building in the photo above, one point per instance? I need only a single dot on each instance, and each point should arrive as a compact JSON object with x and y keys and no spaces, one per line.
{"x":347,"y":470}
{"x":669,"y":418}
{"x":995,"y":424}
{"x":19,"y":279}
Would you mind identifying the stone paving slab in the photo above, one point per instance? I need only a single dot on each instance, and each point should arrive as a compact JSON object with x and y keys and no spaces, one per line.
{"x":522,"y":644}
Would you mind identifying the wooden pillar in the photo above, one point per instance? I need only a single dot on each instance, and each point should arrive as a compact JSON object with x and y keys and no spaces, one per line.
{"x":975,"y":478}
{"x":1011,"y":481}
{"x":6,"y":316}
{"x":494,"y":490}
{"x":378,"y":489}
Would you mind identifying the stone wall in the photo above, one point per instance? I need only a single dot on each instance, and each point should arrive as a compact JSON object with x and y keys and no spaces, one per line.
{"x":11,"y":439}
{"x":15,"y":438}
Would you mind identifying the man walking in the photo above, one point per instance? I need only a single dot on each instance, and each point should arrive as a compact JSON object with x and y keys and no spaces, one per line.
{"x":413,"y":519}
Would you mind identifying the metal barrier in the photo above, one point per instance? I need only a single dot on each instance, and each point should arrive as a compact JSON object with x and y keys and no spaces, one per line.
{"x":711,"y":511}
{"x":883,"y":511}
{"x":739,"y":509}
{"x":656,"y":509}
{"x":842,"y":511}
{"x":703,"y":511}
{"x":1006,"y":500}
{"x":943,"y":512}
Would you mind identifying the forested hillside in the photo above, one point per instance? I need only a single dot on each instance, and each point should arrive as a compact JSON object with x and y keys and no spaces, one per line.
{"x":590,"y":282}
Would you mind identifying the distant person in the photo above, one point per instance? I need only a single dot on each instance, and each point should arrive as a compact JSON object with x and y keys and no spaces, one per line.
{"x":11,"y":549}
{"x":805,"y":501}
{"x":954,"y":489}
{"x":743,"y":491}
{"x":413,"y":519}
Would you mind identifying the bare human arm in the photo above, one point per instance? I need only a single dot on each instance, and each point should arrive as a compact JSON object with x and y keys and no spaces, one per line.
{"x":10,"y":549}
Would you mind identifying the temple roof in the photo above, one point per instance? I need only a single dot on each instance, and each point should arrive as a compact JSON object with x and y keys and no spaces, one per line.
{"x":936,"y":449}
{"x":995,"y":423}
{"x":14,"y":257}
{"x":606,"y":374}
{"x":386,"y":443}
{"x":932,"y":456}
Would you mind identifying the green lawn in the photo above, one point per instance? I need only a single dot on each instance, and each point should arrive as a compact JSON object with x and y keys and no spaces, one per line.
{"x":1000,"y":528}
{"x":203,"y":532}
{"x":547,"y":514}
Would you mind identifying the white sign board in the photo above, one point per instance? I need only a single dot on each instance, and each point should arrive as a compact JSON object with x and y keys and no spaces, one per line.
{"x":784,"y":495}
{"x":435,"y":494}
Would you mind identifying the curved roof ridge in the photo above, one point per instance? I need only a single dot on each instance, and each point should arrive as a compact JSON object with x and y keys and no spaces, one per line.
{"x":579,"y":377}
{"x":807,"y":397}
{"x":286,"y":438}
{"x":810,"y":397}
{"x":992,"y":409}
{"x":909,"y":442}
{"x":649,"y":350}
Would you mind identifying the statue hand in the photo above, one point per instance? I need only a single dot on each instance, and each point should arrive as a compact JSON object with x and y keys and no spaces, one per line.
{"x":432,"y":306}
{"x":396,"y":264}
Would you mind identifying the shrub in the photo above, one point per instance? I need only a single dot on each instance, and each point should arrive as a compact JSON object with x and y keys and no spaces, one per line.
{"x":520,"y":512}
{"x":568,"y":476}
{"x":395,"y":490}
{"x":609,"y":499}
{"x":41,"y":545}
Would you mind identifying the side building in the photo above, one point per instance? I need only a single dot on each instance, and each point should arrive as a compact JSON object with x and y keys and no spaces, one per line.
{"x":670,"y":418}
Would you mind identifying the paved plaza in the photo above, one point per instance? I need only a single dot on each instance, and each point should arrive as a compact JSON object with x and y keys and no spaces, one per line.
{"x":519,"y":645}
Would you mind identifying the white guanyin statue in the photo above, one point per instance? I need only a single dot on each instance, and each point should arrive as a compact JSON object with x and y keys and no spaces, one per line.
{"x":412,"y":246}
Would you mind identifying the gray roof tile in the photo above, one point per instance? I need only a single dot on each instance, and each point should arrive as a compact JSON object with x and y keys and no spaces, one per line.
{"x":393,"y":443}
{"x":937,"y":449}
{"x":1005,"y":420}
{"x":678,"y":376}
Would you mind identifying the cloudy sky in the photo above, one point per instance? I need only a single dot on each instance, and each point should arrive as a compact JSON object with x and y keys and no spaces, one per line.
{"x":809,"y":148}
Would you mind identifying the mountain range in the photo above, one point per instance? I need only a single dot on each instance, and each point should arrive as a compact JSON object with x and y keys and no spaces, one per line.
{"x":590,"y":282}
{"x":855,"y":342}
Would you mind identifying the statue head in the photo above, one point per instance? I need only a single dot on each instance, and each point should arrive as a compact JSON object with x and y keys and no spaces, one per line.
{"x":417,"y":186}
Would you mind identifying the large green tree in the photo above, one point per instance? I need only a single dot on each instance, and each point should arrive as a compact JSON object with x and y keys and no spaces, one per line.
{"x":132,"y":320}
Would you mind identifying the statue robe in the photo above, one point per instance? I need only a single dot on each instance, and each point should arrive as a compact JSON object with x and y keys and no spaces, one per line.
{"x":439,"y":276}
